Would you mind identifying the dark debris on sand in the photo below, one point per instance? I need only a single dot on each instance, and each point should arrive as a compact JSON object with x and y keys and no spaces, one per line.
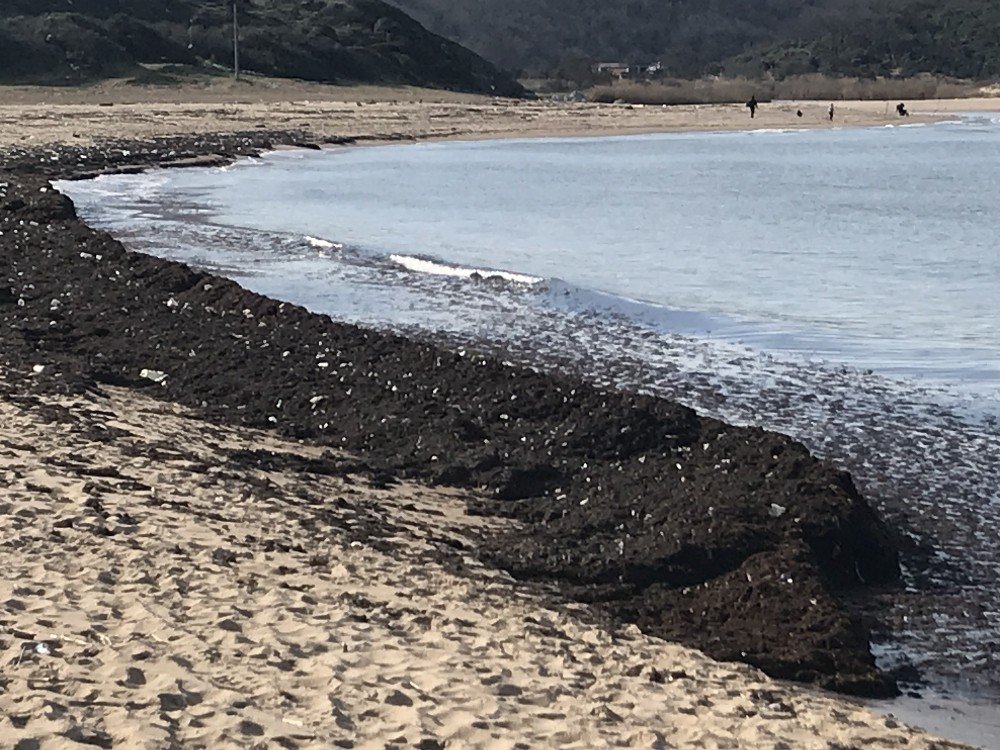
{"x":732,"y":540}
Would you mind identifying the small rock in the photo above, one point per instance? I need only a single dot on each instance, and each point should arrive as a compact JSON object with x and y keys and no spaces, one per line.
{"x":251,"y":728}
{"x":399,"y":699}
{"x":107,"y":578}
{"x":224,"y":557}
{"x":89,"y":737}
{"x":604,"y":713}
{"x":172,"y":702}
{"x":134,"y":677}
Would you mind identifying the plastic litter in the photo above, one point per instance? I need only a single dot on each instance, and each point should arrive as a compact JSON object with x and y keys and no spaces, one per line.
{"x":157,"y":376}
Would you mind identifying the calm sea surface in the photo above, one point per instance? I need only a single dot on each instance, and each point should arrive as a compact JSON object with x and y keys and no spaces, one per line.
{"x":839,"y":286}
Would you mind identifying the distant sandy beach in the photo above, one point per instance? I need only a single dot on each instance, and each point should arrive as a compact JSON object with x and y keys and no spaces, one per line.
{"x":34,"y":116}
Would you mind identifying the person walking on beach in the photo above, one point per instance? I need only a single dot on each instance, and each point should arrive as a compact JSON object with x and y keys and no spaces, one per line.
{"x":752,"y":106}
{"x":901,"y":110}
{"x":831,"y":113}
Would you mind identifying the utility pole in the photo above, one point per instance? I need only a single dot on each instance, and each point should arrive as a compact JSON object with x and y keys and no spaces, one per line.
{"x":236,"y":44}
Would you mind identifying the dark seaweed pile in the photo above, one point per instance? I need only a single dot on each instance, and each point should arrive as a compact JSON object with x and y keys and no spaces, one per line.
{"x":729,"y":539}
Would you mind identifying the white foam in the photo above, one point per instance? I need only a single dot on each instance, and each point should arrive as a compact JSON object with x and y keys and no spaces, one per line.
{"x":143,"y":186}
{"x":422,"y":265}
{"x":322,"y":244}
{"x":773,"y":131}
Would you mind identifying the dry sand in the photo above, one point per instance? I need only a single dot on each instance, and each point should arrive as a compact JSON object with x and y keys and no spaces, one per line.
{"x":32,"y":115}
{"x":156,"y":594}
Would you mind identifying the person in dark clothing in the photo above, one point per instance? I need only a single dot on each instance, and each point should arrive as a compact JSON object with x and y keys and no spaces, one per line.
{"x":752,"y":106}
{"x":901,"y":110}
{"x":831,"y":113}
{"x":798,"y":113}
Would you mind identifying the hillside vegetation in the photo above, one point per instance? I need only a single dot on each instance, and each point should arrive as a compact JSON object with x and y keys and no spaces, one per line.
{"x":958,"y":38}
{"x":69,"y":41}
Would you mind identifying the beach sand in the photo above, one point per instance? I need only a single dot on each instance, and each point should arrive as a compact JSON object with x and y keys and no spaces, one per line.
{"x":160,"y":591}
{"x":34,"y":115}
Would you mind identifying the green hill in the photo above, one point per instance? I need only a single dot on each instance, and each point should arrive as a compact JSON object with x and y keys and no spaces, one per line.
{"x":959,"y":38}
{"x":69,"y":41}
{"x":692,"y":37}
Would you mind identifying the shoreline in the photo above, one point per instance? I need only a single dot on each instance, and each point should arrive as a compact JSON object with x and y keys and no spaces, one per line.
{"x":238,"y":144}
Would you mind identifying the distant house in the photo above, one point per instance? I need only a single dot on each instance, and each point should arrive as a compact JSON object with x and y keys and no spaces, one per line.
{"x":613,"y":69}
{"x":623,"y":70}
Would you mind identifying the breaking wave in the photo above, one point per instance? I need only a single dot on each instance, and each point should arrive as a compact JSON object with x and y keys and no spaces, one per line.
{"x":435,"y":268}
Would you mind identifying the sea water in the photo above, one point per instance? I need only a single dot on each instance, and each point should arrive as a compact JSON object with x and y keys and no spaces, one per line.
{"x":839,"y":286}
